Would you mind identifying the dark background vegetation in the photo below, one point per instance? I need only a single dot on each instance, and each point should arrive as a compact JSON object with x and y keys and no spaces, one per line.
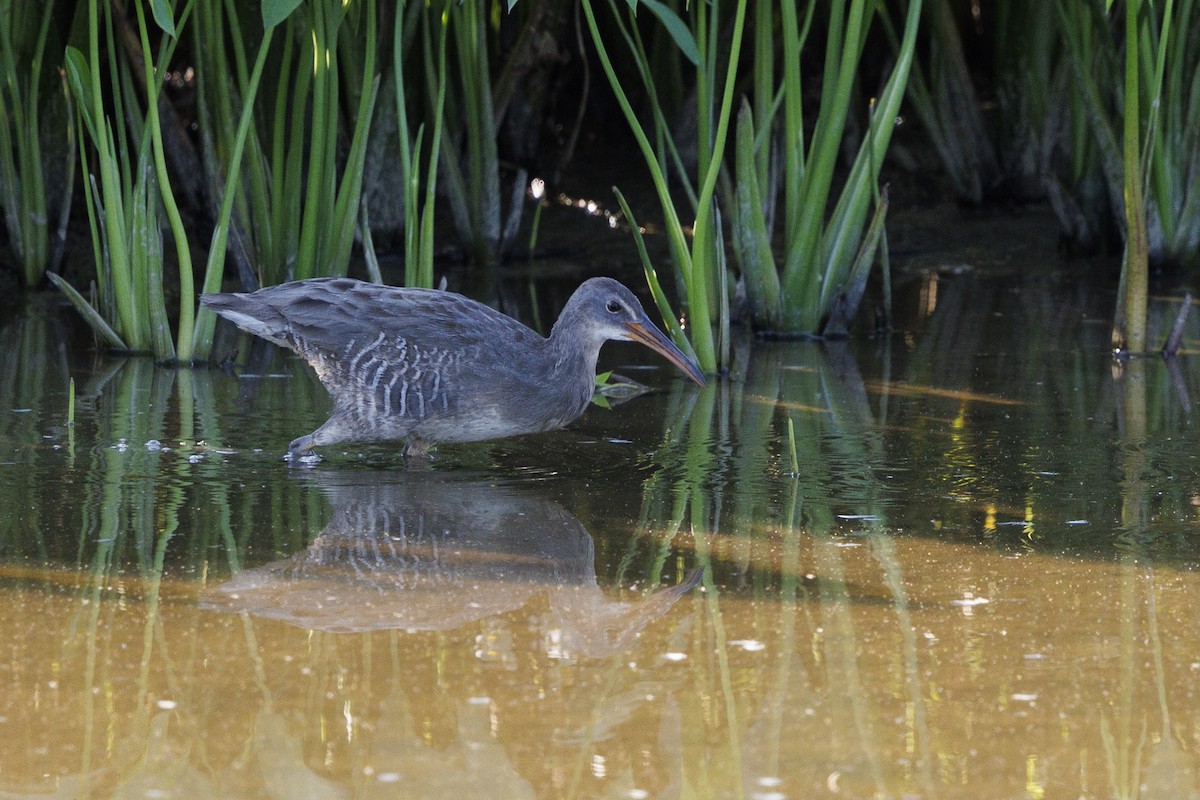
{"x":1008,"y":105}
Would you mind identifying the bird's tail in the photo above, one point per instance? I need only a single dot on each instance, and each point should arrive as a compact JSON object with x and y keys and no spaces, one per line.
{"x":250,"y":314}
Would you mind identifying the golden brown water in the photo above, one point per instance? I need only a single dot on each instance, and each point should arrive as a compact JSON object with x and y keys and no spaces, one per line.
{"x":982,"y":583}
{"x":914,"y":669}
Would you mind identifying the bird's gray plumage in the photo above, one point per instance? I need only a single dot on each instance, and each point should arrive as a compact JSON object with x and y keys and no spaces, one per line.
{"x":433,"y":366}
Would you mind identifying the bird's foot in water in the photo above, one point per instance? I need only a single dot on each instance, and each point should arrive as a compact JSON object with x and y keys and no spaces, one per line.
{"x":416,"y":446}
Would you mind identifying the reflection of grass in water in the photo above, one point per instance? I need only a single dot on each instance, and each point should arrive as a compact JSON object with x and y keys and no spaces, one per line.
{"x":131,"y":514}
{"x":149,"y":441}
{"x":27,"y":379}
{"x":716,"y":451}
{"x":118,"y":500}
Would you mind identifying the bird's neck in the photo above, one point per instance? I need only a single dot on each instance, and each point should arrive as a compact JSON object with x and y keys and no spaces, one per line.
{"x":574,"y":351}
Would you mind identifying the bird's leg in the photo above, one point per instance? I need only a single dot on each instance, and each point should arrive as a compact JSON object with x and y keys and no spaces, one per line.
{"x":416,"y":446}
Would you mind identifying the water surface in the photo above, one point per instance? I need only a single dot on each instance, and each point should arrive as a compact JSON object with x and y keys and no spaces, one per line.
{"x":981,"y":581}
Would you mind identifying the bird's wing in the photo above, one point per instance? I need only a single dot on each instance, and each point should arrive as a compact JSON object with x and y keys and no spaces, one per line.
{"x":327,"y":314}
{"x":357,"y":335}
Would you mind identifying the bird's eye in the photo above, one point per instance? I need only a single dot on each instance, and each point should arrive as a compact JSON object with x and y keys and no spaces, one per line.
{"x":613,"y":306}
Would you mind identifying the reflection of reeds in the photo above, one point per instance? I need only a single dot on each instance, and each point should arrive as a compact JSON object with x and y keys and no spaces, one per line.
{"x":754,"y":544}
{"x":29,"y":380}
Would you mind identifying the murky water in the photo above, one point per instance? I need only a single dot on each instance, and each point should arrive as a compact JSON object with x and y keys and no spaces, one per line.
{"x":982,"y":581}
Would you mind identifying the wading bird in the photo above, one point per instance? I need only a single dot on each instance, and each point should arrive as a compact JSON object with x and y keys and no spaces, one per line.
{"x":432,"y":366}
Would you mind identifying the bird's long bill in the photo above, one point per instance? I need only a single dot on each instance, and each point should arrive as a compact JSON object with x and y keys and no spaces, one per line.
{"x":648,"y":334}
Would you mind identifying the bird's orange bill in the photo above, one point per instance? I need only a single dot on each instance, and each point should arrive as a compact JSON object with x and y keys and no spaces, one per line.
{"x":646,"y":333}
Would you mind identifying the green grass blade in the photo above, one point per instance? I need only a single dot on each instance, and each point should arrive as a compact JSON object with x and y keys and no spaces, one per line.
{"x":845,"y":228}
{"x":670,"y":319}
{"x":163,"y":347}
{"x":675,"y":27}
{"x":202,"y":333}
{"x":845,"y":303}
{"x":89,"y":314}
{"x":276,"y":11}
{"x":679,"y":248}
{"x":350,"y":192}
{"x":751,"y":242}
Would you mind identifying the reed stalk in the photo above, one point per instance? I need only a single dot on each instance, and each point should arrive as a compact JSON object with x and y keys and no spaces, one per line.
{"x":827,"y":254}
{"x":298,"y":216}
{"x":680,"y":251}
{"x":826,"y":227}
{"x":218,"y":40}
{"x":325,"y":238}
{"x":205,"y":326}
{"x":23,"y":168}
{"x":674,"y":327}
{"x":680,"y":40}
{"x":819,"y":257}
{"x":469,"y":158}
{"x":418,"y":209}
{"x":483,"y":165}
{"x":1129,"y":333}
{"x":187,"y":297}
{"x":751,"y":235}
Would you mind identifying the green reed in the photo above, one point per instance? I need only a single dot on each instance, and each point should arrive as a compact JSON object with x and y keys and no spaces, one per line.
{"x":696,"y":265}
{"x":672,"y":323}
{"x":819,"y":243}
{"x":324,"y":238}
{"x":1142,"y":124}
{"x":1133,"y":68}
{"x":131,"y":190}
{"x":474,"y":193}
{"x":826,"y":233}
{"x":418,"y":208}
{"x":298,"y":215}
{"x":472,"y":169}
{"x":219,"y":42}
{"x":187,"y":292}
{"x":825,"y":249}
{"x":24,"y":166}
{"x":201,"y":343}
{"x":1129,"y":330}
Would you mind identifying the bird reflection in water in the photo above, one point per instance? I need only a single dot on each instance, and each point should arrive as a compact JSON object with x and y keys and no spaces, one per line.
{"x":420,"y":552}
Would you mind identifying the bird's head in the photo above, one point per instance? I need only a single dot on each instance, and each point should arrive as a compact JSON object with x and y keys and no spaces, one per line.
{"x":603,"y":309}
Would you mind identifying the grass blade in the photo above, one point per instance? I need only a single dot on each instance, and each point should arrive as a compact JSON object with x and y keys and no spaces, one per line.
{"x":89,"y":314}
